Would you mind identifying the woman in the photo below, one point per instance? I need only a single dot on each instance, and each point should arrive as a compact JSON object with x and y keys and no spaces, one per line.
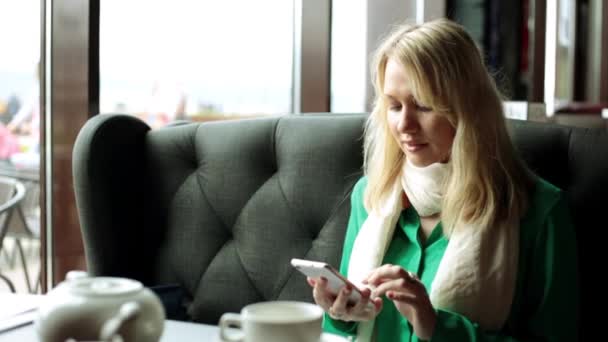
{"x":450,"y":235}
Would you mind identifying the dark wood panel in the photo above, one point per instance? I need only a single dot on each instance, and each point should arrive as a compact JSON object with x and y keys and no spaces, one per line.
{"x":70,"y":110}
{"x":537,"y":92}
{"x":604,"y":54}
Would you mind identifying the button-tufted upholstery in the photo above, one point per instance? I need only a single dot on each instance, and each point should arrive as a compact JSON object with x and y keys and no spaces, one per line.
{"x":220,"y":208}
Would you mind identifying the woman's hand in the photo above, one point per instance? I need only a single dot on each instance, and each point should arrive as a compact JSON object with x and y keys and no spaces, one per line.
{"x":337,"y":307}
{"x":408,"y":294}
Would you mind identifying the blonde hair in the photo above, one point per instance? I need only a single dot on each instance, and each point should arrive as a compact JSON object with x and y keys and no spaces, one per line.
{"x":488,"y":183}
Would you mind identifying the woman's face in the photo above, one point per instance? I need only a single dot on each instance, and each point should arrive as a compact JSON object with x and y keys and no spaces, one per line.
{"x":424,"y":136}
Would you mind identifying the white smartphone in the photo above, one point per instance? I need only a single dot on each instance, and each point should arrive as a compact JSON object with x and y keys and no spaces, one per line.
{"x":335,"y":280}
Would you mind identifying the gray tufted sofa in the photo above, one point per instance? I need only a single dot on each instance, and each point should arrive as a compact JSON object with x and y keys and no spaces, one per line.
{"x":220,"y":208}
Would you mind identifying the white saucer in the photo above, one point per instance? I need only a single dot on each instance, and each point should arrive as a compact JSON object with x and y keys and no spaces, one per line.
{"x":327,"y":337}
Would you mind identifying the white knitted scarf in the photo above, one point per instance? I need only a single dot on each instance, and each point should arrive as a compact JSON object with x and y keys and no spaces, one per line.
{"x":476,"y":276}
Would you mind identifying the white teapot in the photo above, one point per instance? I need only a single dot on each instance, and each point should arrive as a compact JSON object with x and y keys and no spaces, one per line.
{"x":100,"y":309}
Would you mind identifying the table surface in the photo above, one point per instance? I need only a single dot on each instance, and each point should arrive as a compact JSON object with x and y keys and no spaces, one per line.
{"x":174,"y":331}
{"x":14,"y":304}
{"x":17,"y":305}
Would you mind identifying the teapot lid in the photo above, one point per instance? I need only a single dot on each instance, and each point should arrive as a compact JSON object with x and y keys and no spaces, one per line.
{"x":103,"y":286}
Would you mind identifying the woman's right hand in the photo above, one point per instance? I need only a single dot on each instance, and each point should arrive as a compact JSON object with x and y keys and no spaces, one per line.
{"x":337,"y":307}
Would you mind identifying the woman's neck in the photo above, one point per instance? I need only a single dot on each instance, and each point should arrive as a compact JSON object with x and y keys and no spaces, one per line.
{"x":427,"y":225}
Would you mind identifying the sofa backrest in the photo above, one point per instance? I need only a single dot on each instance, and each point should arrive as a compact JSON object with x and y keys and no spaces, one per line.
{"x":576,"y":160}
{"x":220,"y":208}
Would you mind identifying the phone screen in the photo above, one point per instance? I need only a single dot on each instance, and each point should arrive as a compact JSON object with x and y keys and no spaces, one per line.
{"x":335,"y":280}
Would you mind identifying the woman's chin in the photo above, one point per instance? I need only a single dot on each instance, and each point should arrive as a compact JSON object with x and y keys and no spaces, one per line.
{"x":422,"y":161}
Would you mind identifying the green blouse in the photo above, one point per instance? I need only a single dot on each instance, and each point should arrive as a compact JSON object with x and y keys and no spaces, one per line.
{"x":545,"y":305}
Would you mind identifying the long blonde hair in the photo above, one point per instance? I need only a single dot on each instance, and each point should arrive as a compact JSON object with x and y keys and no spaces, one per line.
{"x":488,"y":182}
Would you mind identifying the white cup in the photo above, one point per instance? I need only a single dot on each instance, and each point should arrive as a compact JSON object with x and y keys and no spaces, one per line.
{"x":273,"y":321}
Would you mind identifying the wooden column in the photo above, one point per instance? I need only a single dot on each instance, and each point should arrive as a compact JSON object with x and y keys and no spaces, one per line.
{"x":537,"y":44}
{"x":70,"y":106}
{"x":604,"y":55}
{"x":312,"y":31}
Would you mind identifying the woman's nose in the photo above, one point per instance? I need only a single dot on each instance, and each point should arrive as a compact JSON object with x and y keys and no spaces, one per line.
{"x":407,"y":120}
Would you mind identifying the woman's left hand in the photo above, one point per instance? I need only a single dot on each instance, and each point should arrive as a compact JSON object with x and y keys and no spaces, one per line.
{"x":408,"y":294}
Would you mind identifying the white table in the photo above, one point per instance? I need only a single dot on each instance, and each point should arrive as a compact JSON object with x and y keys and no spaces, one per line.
{"x":174,"y":331}
{"x":11,"y":305}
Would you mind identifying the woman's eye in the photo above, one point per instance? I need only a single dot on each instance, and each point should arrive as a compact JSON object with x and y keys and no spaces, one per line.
{"x":395,"y":107}
{"x":424,"y":109}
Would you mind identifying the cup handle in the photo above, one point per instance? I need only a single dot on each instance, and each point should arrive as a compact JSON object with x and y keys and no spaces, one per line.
{"x":227,"y":320}
{"x":111,"y":327}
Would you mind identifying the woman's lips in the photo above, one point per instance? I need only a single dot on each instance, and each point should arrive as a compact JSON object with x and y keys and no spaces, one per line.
{"x":413,"y":147}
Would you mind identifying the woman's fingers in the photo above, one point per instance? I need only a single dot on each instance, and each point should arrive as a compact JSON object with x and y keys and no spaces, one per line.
{"x":387,"y":272}
{"x":363,"y":302}
{"x":408,"y":285}
{"x":311,"y":281}
{"x":320,"y":294}
{"x":335,"y":306}
{"x":338,"y":306}
{"x":377,"y":303}
{"x":367,"y":306}
{"x":406,"y":298}
{"x":365,"y":309}
{"x":401,"y":285}
{"x":339,"y":309}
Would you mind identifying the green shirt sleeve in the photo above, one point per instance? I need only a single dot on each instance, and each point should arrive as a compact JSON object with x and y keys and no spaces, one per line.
{"x":358,"y":214}
{"x":551,"y":291}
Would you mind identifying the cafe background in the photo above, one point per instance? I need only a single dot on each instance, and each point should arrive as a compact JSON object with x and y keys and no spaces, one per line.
{"x":63,"y":61}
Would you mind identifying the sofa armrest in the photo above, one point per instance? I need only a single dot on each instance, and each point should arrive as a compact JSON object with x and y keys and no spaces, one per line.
{"x":108,"y":170}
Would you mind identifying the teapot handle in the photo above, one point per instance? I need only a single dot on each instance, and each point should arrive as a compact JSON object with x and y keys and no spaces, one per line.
{"x":110,"y":328}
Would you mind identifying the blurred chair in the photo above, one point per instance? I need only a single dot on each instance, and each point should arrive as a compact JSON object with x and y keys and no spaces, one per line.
{"x":12,"y":193}
{"x":25,"y":226}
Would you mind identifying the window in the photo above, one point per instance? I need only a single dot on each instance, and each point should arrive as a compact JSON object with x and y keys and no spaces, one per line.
{"x":20,"y":144}
{"x":197,"y":60}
